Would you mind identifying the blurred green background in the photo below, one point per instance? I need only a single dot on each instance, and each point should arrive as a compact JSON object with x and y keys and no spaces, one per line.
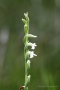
{"x":45,"y":24}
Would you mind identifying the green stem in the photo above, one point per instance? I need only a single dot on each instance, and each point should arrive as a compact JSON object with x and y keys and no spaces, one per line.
{"x":25,"y":51}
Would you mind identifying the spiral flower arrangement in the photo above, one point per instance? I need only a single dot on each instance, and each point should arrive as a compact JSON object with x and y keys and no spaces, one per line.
{"x":27,"y":54}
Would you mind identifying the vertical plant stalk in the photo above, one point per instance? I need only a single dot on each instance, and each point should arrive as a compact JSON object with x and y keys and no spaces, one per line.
{"x":27,"y":54}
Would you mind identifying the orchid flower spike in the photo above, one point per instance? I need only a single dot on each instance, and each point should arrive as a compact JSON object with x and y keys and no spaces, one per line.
{"x":27,"y":53}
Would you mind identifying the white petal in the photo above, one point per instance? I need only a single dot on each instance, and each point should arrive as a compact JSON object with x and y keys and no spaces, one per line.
{"x":31,"y":54}
{"x":35,"y":55}
{"x":33,"y":46}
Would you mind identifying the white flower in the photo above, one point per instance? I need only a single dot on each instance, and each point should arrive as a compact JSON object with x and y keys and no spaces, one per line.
{"x":33,"y":45}
{"x":32,"y":36}
{"x":31,"y":53}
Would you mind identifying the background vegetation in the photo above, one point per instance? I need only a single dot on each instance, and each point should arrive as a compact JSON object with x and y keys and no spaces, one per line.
{"x":45,"y":23}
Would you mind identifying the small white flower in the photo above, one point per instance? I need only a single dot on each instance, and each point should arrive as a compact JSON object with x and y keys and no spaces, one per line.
{"x":31,"y":53}
{"x":33,"y":45}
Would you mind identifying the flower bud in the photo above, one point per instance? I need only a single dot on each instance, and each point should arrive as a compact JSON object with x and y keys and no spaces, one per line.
{"x":24,"y":20}
{"x":26,"y":28}
{"x":26,"y":15}
{"x":28,"y":79}
{"x":32,"y":36}
{"x":28,"y":64}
